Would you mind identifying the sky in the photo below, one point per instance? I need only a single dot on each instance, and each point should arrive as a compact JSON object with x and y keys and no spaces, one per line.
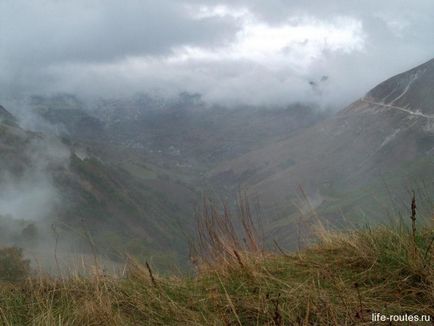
{"x":238,"y":52}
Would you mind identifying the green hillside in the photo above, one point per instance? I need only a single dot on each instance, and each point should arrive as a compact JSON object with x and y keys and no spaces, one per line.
{"x":87,"y":203}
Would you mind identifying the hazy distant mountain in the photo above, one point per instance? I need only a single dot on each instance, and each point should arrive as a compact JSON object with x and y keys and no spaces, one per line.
{"x":182,"y":130}
{"x":69,"y":116}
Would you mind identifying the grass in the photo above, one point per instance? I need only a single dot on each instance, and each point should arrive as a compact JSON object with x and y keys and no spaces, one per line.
{"x":342,"y":279}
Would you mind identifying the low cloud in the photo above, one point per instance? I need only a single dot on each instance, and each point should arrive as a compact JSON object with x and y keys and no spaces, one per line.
{"x":31,"y":194}
{"x":232,"y":52}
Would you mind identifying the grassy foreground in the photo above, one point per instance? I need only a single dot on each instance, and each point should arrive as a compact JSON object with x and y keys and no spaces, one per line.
{"x":341,"y":280}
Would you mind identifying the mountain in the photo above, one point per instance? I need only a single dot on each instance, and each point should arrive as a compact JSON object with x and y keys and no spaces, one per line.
{"x":6,"y":117}
{"x":382,"y":140}
{"x":172,"y":145}
{"x":68,"y":115}
{"x":294,"y":159}
{"x":410,"y":90}
{"x":47,"y":180}
{"x":181,"y":138}
{"x":182,"y":129}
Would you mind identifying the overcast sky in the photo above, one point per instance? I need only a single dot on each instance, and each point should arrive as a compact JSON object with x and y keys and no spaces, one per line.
{"x":268,"y":52}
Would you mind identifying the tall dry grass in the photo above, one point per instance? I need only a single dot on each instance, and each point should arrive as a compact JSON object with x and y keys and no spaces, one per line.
{"x":222,"y":235}
{"x":341,"y":280}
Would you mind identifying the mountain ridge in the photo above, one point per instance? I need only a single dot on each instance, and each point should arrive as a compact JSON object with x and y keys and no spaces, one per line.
{"x":348,"y":151}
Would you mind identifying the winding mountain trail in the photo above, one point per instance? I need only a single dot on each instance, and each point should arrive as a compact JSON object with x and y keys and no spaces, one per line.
{"x":390,"y":106}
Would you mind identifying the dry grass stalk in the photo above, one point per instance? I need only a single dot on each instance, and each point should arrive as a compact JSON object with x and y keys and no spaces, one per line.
{"x":223,"y":237}
{"x":151,"y":275}
{"x":413,"y":216}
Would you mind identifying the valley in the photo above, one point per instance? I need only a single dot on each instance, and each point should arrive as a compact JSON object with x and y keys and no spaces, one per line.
{"x":135,"y":173}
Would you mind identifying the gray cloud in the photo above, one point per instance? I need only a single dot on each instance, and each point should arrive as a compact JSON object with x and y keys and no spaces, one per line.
{"x":37,"y":35}
{"x":94,"y":31}
{"x":111,"y":48}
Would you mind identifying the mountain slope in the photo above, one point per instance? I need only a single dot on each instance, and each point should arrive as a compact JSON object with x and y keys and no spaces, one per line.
{"x":388,"y":128}
{"x":46,"y":181}
{"x":411,"y":89}
{"x":6,"y":116}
